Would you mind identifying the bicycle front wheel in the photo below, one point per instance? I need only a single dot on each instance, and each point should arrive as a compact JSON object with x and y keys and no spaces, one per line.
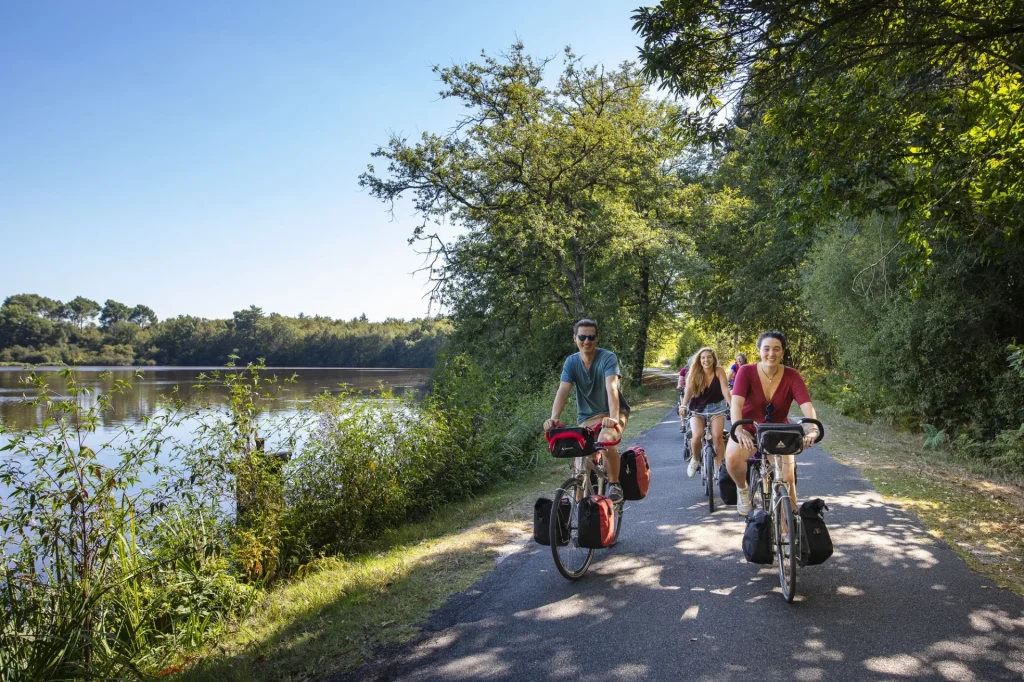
{"x":709,"y":478}
{"x":785,"y":544}
{"x":754,"y":485}
{"x":571,"y":560}
{"x":618,"y":521}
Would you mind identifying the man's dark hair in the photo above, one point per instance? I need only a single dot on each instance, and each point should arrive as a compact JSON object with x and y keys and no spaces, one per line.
{"x":773,"y":335}
{"x":585,"y":322}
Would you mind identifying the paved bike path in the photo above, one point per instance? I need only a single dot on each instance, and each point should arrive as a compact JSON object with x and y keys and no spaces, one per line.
{"x":674,"y":600}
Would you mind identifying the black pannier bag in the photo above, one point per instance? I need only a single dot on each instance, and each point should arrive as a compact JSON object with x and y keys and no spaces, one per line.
{"x":726,"y":486}
{"x":542,"y":521}
{"x":815,"y":542}
{"x":780,"y":439}
{"x":570,"y":441}
{"x":757,"y":539}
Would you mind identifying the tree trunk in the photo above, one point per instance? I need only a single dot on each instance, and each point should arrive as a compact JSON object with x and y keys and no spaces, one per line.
{"x":644,"y":299}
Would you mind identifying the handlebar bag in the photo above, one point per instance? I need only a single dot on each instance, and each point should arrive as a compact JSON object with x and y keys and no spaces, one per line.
{"x":815,"y":542}
{"x":570,"y":441}
{"x":542,"y":521}
{"x":635,"y":473}
{"x":780,"y":439}
{"x":757,"y":539}
{"x":596,"y":522}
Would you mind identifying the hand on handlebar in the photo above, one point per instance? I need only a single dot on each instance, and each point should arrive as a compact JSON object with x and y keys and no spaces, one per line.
{"x":810,"y":436}
{"x":609,"y":423}
{"x":745,"y":439}
{"x":549,"y":423}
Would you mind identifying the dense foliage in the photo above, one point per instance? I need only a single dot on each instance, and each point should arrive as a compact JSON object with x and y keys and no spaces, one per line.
{"x":881,"y":147}
{"x":39,"y":330}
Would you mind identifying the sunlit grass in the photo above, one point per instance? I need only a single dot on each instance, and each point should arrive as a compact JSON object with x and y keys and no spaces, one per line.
{"x":978,"y":517}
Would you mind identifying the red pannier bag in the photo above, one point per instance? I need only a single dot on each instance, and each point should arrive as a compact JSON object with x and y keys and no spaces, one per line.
{"x":596,"y":522}
{"x":635,"y":473}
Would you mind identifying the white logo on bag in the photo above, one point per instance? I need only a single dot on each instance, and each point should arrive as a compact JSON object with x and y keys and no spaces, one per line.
{"x":781,"y":444}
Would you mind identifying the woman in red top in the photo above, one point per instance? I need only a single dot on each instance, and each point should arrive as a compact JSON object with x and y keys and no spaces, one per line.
{"x":764,"y":392}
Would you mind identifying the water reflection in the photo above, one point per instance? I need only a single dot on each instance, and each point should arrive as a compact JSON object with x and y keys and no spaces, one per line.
{"x":146,"y":391}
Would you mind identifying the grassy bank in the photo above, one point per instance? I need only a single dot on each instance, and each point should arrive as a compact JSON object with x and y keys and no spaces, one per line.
{"x":973,"y":507}
{"x":339,"y":610}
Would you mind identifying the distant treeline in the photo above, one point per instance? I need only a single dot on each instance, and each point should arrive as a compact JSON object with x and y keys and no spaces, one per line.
{"x":39,"y":330}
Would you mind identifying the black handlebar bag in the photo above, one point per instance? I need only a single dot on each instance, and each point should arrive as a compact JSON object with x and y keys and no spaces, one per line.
{"x":570,"y":441}
{"x":780,"y":439}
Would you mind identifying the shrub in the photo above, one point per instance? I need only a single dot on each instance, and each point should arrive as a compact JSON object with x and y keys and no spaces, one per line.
{"x":366,"y":466}
{"x":371,"y":464}
{"x":1009,"y":449}
{"x":95,"y":584}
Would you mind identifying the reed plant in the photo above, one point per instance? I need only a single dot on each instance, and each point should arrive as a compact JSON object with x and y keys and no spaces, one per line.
{"x":109,"y":564}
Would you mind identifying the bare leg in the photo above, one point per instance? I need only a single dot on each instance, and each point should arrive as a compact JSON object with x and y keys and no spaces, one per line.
{"x":611,"y":453}
{"x":736,"y":463}
{"x":717,"y":424}
{"x":788,"y":469}
{"x":697,"y":427}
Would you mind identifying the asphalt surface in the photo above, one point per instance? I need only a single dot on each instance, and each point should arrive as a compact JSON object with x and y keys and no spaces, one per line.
{"x":675,"y":600}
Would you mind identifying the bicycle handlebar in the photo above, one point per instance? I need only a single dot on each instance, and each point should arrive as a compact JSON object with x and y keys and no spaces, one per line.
{"x":732,"y":431}
{"x":802,"y":420}
{"x":595,"y":429}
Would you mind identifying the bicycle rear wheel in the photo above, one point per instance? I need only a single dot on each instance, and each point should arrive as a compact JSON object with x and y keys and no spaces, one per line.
{"x":709,"y":475}
{"x":786,"y":549}
{"x":571,"y":560}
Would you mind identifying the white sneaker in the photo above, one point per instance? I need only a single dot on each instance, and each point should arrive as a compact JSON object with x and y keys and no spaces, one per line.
{"x":743,"y":501}
{"x":694,"y":465}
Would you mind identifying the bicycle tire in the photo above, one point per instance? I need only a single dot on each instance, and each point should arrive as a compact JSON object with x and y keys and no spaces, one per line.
{"x":786,"y":549}
{"x":754,"y":485}
{"x":709,"y":478}
{"x":571,"y":560}
{"x":755,"y":474}
{"x":619,"y":509}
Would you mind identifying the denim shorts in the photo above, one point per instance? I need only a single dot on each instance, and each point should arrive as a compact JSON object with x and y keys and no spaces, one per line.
{"x":712,"y":409}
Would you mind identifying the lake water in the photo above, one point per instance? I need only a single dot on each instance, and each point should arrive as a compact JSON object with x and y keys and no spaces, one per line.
{"x":146,"y":391}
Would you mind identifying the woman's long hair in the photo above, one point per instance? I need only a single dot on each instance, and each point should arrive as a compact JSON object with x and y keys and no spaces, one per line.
{"x":695,"y":379}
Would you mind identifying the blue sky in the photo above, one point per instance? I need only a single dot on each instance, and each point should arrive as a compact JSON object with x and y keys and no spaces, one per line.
{"x":199,"y":157}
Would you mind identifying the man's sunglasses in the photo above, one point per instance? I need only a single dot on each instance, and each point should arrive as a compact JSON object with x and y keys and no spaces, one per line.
{"x":769,"y":408}
{"x":587,"y":337}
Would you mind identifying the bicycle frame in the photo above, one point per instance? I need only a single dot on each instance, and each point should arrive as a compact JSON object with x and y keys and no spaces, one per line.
{"x":771,"y":479}
{"x":583,"y":467}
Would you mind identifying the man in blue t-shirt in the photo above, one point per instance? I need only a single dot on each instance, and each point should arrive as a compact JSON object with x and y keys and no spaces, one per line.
{"x":595,"y":374}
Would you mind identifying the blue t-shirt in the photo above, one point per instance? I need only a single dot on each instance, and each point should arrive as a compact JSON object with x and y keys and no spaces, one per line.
{"x":591,"y":396}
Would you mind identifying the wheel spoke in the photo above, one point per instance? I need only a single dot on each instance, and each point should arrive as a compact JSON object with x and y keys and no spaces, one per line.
{"x":785,"y":543}
{"x":571,"y":560}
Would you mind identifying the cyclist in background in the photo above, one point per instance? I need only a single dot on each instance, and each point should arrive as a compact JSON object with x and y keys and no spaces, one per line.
{"x":595,"y":373}
{"x":681,"y":387}
{"x":741,"y":359}
{"x":764,"y":392}
{"x":706,"y":397}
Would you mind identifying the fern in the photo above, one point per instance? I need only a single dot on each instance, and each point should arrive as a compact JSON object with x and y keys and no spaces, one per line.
{"x":933,"y":437}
